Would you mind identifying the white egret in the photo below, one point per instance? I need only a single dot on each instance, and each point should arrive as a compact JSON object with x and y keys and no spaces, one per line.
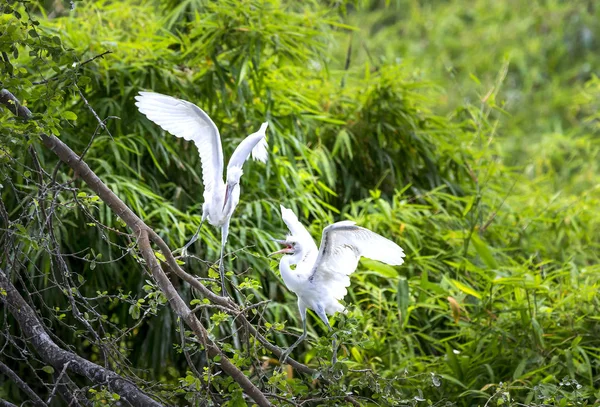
{"x":321,"y":276}
{"x":186,"y":120}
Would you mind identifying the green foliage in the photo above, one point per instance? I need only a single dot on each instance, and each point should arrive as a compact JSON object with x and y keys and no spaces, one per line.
{"x":465,"y":131}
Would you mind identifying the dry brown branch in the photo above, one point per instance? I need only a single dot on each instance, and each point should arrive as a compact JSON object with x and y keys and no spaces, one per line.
{"x":186,"y":314}
{"x":224,"y":302}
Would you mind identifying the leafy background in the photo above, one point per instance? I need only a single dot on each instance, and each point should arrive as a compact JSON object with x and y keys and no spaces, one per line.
{"x":466,"y":131}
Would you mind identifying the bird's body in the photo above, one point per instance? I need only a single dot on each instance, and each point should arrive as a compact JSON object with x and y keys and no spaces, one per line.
{"x":186,"y":120}
{"x":321,"y":276}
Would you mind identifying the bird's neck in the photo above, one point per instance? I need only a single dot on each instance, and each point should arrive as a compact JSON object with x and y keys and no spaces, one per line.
{"x":232,"y":201}
{"x":292,"y":277}
{"x":289,"y":278}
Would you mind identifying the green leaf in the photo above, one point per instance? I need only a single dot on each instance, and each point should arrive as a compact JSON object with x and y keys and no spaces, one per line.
{"x":68,"y":115}
{"x":134,"y":311}
{"x":454,"y":364}
{"x":469,"y":205}
{"x":538,"y":332}
{"x":474,"y":78}
{"x":48,"y":369}
{"x":403,"y":300}
{"x":484,"y":251}
{"x":465,"y":288}
{"x":237,"y":400}
{"x":356,"y":354}
{"x":380,"y":268}
{"x":519,"y":370}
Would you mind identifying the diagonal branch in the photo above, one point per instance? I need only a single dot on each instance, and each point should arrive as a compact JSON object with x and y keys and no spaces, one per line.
{"x":225,"y":302}
{"x":186,"y":314}
{"x":35,"y":399}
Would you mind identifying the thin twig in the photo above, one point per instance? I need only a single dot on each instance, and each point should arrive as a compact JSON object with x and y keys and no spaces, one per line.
{"x":80,"y":65}
{"x":57,"y":383}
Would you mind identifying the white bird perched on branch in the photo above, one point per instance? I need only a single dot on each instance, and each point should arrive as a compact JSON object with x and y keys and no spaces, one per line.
{"x":321,"y":276}
{"x":186,"y":120}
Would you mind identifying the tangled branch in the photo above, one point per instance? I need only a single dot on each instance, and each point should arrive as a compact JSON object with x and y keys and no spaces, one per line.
{"x":144,"y":234}
{"x":51,"y":353}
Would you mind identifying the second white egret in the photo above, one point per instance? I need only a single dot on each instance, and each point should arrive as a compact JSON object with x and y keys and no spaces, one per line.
{"x":321,"y":276}
{"x":186,"y":120}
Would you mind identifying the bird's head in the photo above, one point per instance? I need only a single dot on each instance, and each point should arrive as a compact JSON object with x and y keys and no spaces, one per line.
{"x":233,"y":175}
{"x":289,"y":247}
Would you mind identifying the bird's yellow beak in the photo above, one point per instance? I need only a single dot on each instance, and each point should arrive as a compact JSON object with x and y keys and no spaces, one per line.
{"x":285,"y":250}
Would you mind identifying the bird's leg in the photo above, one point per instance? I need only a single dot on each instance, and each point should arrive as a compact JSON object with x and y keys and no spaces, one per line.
{"x":302,"y":309}
{"x":193,"y":239}
{"x":334,"y":347}
{"x":321,"y":313}
{"x":224,"y":233}
{"x":289,"y":350}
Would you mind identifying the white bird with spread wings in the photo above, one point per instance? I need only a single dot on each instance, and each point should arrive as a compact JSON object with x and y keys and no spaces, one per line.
{"x":321,"y":276}
{"x":187,"y":121}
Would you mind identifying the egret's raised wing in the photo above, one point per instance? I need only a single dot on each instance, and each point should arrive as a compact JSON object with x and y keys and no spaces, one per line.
{"x":298,"y":231}
{"x":255,"y":144}
{"x":342,"y":245}
{"x":186,"y":120}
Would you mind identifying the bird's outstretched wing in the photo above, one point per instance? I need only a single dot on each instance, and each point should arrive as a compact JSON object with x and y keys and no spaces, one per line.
{"x":255,"y":144}
{"x":186,"y":120}
{"x":342,"y":245}
{"x":298,"y":231}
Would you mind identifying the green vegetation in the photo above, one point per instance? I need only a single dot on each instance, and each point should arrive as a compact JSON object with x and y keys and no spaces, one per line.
{"x":466,"y":131}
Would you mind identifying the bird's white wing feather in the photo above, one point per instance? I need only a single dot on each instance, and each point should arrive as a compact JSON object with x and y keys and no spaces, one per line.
{"x":255,"y":144}
{"x":342,"y":245}
{"x":298,"y":231}
{"x":186,"y":120}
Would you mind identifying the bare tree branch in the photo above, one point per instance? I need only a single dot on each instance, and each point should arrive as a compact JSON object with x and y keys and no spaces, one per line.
{"x":69,"y":392}
{"x":4,"y":403}
{"x":52,"y":354}
{"x":57,"y":383}
{"x":36,"y":400}
{"x":12,"y":103}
